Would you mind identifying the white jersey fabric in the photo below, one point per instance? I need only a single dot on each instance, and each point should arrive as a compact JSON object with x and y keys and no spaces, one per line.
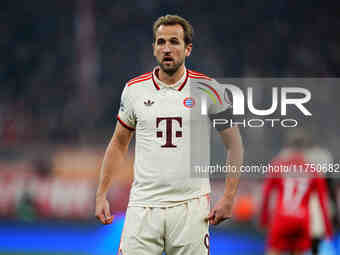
{"x":169,"y":136}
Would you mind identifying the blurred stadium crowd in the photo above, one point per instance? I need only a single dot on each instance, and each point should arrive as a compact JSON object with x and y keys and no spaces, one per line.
{"x":63,"y":66}
{"x":45,"y":45}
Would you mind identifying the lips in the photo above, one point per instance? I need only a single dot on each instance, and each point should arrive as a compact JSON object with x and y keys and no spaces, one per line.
{"x":168,"y":59}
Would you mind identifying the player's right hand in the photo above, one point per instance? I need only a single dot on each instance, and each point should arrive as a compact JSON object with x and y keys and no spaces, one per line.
{"x":103,"y":211}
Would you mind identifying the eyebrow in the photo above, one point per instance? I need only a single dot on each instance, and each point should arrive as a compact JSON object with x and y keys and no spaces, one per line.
{"x":172,"y":38}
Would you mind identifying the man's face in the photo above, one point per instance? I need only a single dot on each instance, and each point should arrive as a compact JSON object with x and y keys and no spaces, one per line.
{"x":169,"y":48}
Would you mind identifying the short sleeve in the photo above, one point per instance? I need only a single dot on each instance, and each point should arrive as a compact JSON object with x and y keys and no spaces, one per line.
{"x":126,"y":114}
{"x":222,"y":102}
{"x":221,"y":108}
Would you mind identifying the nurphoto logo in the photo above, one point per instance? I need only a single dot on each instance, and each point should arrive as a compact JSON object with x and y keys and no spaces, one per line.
{"x":242,"y":102}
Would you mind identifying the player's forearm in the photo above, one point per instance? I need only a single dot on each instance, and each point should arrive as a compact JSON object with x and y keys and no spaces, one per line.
{"x":235,"y":161}
{"x":114,"y":158}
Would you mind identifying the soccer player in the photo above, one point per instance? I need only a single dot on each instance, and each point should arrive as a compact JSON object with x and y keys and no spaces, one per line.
{"x":289,"y":222}
{"x":168,"y":208}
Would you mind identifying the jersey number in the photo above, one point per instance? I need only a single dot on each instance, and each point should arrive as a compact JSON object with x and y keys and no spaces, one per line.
{"x":293,"y":192}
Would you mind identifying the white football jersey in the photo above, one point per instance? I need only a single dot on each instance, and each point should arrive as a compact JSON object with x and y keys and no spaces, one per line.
{"x":172,"y":136}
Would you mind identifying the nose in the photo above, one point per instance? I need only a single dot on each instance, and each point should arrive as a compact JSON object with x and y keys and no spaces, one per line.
{"x":166,"y":48}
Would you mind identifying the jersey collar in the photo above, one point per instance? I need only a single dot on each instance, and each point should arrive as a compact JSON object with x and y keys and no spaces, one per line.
{"x":178,"y":85}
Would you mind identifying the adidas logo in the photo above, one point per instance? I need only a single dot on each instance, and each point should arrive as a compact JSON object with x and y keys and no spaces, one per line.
{"x":148,"y":102}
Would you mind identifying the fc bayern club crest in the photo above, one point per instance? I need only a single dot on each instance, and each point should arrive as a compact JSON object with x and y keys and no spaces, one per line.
{"x":189,"y":102}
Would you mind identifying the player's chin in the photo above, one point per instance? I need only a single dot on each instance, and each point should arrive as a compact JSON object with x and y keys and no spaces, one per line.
{"x":168,"y":68}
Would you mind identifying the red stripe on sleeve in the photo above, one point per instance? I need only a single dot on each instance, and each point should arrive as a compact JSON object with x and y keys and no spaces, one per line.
{"x":139,"y":80}
{"x":194,"y":76}
{"x":125,"y":125}
{"x":139,"y":77}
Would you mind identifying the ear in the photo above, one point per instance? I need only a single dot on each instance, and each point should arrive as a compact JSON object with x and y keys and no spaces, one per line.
{"x":188,"y":50}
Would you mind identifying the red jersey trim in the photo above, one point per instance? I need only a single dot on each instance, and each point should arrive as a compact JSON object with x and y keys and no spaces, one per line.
{"x":184,"y":82}
{"x":213,"y":90}
{"x":125,"y":125}
{"x":198,"y":74}
{"x":200,"y":77}
{"x":139,"y":80}
{"x":194,"y":72}
{"x":179,"y":88}
{"x":154,"y":83}
{"x":139,"y":77}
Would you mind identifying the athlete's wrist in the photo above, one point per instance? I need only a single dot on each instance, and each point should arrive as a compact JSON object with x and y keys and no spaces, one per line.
{"x":228,"y":196}
{"x":100,"y":196}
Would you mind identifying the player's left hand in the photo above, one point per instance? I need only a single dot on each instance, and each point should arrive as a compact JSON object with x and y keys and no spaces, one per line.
{"x":103,"y":211}
{"x":221,"y":211}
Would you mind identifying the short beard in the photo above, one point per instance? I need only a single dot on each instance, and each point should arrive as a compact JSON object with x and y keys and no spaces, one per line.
{"x":170,"y":71}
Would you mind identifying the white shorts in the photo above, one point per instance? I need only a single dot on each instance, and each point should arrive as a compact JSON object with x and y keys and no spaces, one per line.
{"x":178,"y":230}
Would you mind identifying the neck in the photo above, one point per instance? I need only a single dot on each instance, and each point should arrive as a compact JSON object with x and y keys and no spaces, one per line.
{"x":171,"y":79}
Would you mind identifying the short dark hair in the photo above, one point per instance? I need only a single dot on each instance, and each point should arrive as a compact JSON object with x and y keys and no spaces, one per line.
{"x":174,"y":20}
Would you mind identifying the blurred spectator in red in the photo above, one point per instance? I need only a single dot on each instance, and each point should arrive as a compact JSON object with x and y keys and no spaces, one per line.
{"x":289,"y":222}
